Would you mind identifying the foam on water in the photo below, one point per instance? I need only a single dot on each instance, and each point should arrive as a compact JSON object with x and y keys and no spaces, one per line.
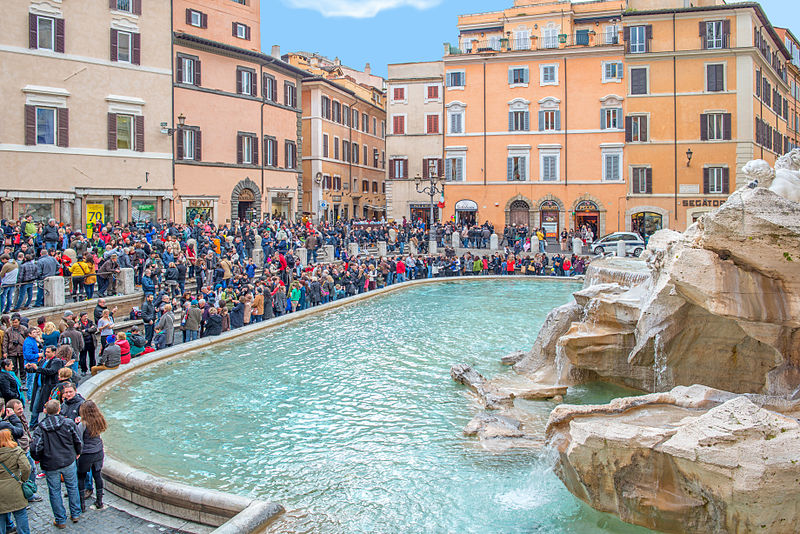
{"x":351,"y":421}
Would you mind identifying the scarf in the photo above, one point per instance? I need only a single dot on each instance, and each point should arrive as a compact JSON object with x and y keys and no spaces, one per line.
{"x":19,"y":385}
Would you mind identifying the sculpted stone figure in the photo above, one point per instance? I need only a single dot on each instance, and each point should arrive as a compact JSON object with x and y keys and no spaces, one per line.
{"x":783,"y":180}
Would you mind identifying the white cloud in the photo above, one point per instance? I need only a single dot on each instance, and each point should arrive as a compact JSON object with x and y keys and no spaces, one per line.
{"x":359,"y":9}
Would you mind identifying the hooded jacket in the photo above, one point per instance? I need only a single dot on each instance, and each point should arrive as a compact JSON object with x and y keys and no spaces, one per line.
{"x":55,"y":443}
{"x":71,"y":408}
{"x":11,"y":497}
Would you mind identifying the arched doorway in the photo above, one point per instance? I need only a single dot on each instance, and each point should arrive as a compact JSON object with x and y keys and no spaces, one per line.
{"x":246,"y":201}
{"x":466,"y":212}
{"x":587,"y":214}
{"x":518,"y":213}
{"x":549,"y":218}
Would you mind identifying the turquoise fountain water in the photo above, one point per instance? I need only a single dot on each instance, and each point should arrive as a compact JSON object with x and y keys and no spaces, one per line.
{"x":351,"y":421}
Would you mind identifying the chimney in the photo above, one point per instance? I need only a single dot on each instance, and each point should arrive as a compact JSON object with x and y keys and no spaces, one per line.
{"x":337,"y":61}
{"x":367,"y":70}
{"x":276,"y":51}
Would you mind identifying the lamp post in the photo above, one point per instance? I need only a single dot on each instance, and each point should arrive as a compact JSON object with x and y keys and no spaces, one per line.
{"x":435,"y":186}
{"x":171,"y":131}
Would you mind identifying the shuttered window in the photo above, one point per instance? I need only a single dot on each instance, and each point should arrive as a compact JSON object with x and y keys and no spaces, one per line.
{"x":518,"y":75}
{"x":638,"y":39}
{"x":642,"y":180}
{"x":241,"y":31}
{"x":196,"y":18}
{"x":269,"y":88}
{"x":126,"y":47}
{"x":246,"y":149}
{"x":189,"y":144}
{"x":127,"y":6}
{"x":456,"y":122}
{"x":612,"y":167}
{"x":432,"y":124}
{"x":715,"y":77}
{"x":716,"y":180}
{"x":715,"y":126}
{"x":291,"y":154}
{"x":715,"y":34}
{"x":324,"y":145}
{"x":46,"y":126}
{"x":454,"y":169}
{"x":270,"y":151}
{"x":246,"y":81}
{"x":125,"y":132}
{"x":610,"y":118}
{"x":636,"y":129}
{"x":638,"y":81}
{"x":326,"y":108}
{"x":517,"y":169}
{"x":518,"y":121}
{"x":187,"y":70}
{"x":399,"y":125}
{"x":46,"y":33}
{"x":431,"y":167}
{"x":456,"y":79}
{"x":289,"y":95}
{"x":549,"y":120}
{"x":398,"y":168}
{"x":549,"y":168}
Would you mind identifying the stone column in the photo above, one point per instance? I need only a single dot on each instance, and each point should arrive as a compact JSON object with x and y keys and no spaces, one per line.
{"x":124,"y":201}
{"x":432,"y":247}
{"x":381,"y":249}
{"x":456,"y":240}
{"x":258,"y":253}
{"x":166,"y":208}
{"x":125,"y":283}
{"x":54,"y":291}
{"x":352,"y":249}
{"x":302,"y":253}
{"x":621,"y":249}
{"x":77,"y":215}
{"x":7,"y":209}
{"x":328,"y":252}
{"x":494,"y":242}
{"x":66,"y":211}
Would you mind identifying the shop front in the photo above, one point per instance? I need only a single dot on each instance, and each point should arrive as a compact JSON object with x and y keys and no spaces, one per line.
{"x":281,"y":205}
{"x":199,"y":209}
{"x":40,"y":209}
{"x":466,"y":212}
{"x":587,"y":214}
{"x":422,"y":212}
{"x":549,"y":218}
{"x":646,"y":223}
{"x":143,"y":212}
{"x":99,"y":211}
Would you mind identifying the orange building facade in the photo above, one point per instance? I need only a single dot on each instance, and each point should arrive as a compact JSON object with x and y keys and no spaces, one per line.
{"x":237,"y":151}
{"x":620,"y":115}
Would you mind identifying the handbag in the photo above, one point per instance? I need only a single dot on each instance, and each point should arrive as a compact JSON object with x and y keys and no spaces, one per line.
{"x":28,"y":487}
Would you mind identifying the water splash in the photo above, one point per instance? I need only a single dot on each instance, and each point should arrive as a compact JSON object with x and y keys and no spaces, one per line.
{"x":661,"y":379}
{"x":561,"y":362}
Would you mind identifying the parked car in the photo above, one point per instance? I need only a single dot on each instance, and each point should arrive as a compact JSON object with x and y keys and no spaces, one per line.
{"x":634,"y":244}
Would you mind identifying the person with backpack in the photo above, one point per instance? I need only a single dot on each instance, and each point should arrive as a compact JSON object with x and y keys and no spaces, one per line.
{"x":91,"y":424}
{"x":15,"y":469}
{"x":137,"y":342}
{"x":88,"y":330}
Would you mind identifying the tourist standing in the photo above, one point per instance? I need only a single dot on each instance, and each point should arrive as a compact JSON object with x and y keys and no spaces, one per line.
{"x":16,"y":468}
{"x":91,"y":424}
{"x":56,"y":444}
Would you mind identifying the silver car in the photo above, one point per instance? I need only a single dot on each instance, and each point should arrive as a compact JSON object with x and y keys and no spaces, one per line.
{"x":634,"y":244}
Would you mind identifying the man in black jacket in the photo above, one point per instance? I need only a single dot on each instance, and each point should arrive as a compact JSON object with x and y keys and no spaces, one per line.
{"x":71,"y":401}
{"x":148,"y":316}
{"x":55,"y":444}
{"x":50,"y":235}
{"x":48,"y":376}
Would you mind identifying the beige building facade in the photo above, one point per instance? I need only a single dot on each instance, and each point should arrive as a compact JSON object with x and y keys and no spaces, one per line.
{"x":414,"y":143}
{"x":85,"y":86}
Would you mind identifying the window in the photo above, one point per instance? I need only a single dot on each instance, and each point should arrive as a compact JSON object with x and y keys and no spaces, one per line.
{"x":366,"y":154}
{"x":398,"y":168}
{"x":715,"y":126}
{"x":365,"y":122}
{"x":550,"y":38}
{"x":432,"y":123}
{"x":289,"y":95}
{"x":345,"y":150}
{"x":610,"y":118}
{"x":375,"y":157}
{"x":337,"y":183}
{"x":518,"y":76}
{"x":714,"y":34}
{"x":124,"y":132}
{"x":356,"y":155}
{"x":241,"y":31}
{"x":612,"y":71}
{"x":45,"y":126}
{"x":188,"y":70}
{"x":548,"y":171}
{"x":636,"y":129}
{"x":715,"y":180}
{"x":638,"y":81}
{"x":124,"y":47}
{"x":642,"y":180}
{"x":375,"y":126}
{"x":466,"y":45}
{"x":245,"y":81}
{"x":374,"y":187}
{"x":326,"y":108}
{"x":612,"y":167}
{"x":346,"y":115}
{"x":611,"y":35}
{"x":454,"y":169}
{"x":336,"y":148}
{"x":715,"y":77}
{"x":242,"y":2}
{"x":195,"y":18}
{"x":324,"y":145}
{"x":582,"y":37}
{"x":336,"y":115}
{"x":548,"y":75}
{"x":522,"y":40}
{"x":187,"y":149}
{"x":456,"y":79}
{"x":518,"y":121}
{"x":124,"y":5}
{"x":46,"y":33}
{"x":399,"y":94}
{"x":549,"y":120}
{"x":517,"y":168}
{"x":355,"y":119}
{"x":291,"y":154}
{"x":364,"y":186}
{"x":269,"y":88}
{"x":431,"y":167}
{"x":638,"y":39}
{"x":270,"y":151}
{"x":247,"y":152}
{"x":432,"y":92}
{"x":456,"y":121}
{"x":399,"y":124}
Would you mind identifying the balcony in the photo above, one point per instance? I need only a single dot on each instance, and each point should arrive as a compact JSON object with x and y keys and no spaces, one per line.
{"x":579,"y":39}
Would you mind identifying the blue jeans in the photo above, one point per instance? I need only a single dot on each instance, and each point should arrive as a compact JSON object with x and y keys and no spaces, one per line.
{"x":29,"y":380}
{"x":39,"y":295}
{"x":542,"y":246}
{"x":25,"y":293}
{"x":21,"y":518}
{"x":6,"y":298}
{"x":190,"y":335}
{"x":389,"y":278}
{"x":70,"y":474}
{"x":89,"y":288}
{"x":32,"y":476}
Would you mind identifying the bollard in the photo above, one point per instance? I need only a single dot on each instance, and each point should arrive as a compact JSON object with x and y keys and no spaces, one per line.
{"x":534,"y":244}
{"x":302,"y":253}
{"x":125,"y":281}
{"x":455,"y":240}
{"x":381,"y":249}
{"x":432,"y":247}
{"x":621,"y":249}
{"x":577,"y":246}
{"x":54,"y":291}
{"x":328,"y":252}
{"x":352,"y":249}
{"x":412,"y":248}
{"x":258,"y":257}
{"x":494,"y":242}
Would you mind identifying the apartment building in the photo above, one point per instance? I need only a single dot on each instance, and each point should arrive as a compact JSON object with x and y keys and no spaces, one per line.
{"x":344,"y":130}
{"x":236,"y":119}
{"x":792,"y":45}
{"x":533,"y":100}
{"x":708,"y":89}
{"x":414,"y":148}
{"x":85,"y":86}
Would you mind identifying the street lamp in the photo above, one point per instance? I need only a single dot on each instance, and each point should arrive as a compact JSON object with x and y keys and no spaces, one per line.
{"x":171,"y":131}
{"x":435,"y":186}
{"x":689,"y":156}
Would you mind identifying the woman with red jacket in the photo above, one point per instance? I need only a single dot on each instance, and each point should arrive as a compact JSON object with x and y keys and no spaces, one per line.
{"x":124,"y":347}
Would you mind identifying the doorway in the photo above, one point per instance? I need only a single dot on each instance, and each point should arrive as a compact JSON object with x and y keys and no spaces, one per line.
{"x":519,"y":213}
{"x":587,"y":214}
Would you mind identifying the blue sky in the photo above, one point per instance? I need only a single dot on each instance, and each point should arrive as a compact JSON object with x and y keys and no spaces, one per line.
{"x":396,"y":31}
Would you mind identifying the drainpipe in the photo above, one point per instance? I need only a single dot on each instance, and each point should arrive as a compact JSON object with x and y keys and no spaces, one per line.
{"x":484,"y":123}
{"x":675,"y":114}
{"x":172,"y":106}
{"x":261,"y":138}
{"x":564,"y":125}
{"x":350,"y":155}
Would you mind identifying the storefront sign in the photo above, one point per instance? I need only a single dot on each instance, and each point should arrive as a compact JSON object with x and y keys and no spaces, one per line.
{"x":336,"y":198}
{"x":703,"y":203}
{"x":94,"y":214}
{"x":586,"y":205}
{"x":201,"y":203}
{"x":466,"y":205}
{"x":145,"y":207}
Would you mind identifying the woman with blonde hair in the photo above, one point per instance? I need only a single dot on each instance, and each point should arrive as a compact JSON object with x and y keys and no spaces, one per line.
{"x":50,"y":334}
{"x":91,"y":424}
{"x":14,"y":468}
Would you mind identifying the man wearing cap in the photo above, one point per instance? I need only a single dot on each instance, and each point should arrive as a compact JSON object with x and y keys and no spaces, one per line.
{"x":110,"y":358}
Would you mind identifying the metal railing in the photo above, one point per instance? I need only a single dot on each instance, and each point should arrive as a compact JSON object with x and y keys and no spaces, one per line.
{"x":588,"y":39}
